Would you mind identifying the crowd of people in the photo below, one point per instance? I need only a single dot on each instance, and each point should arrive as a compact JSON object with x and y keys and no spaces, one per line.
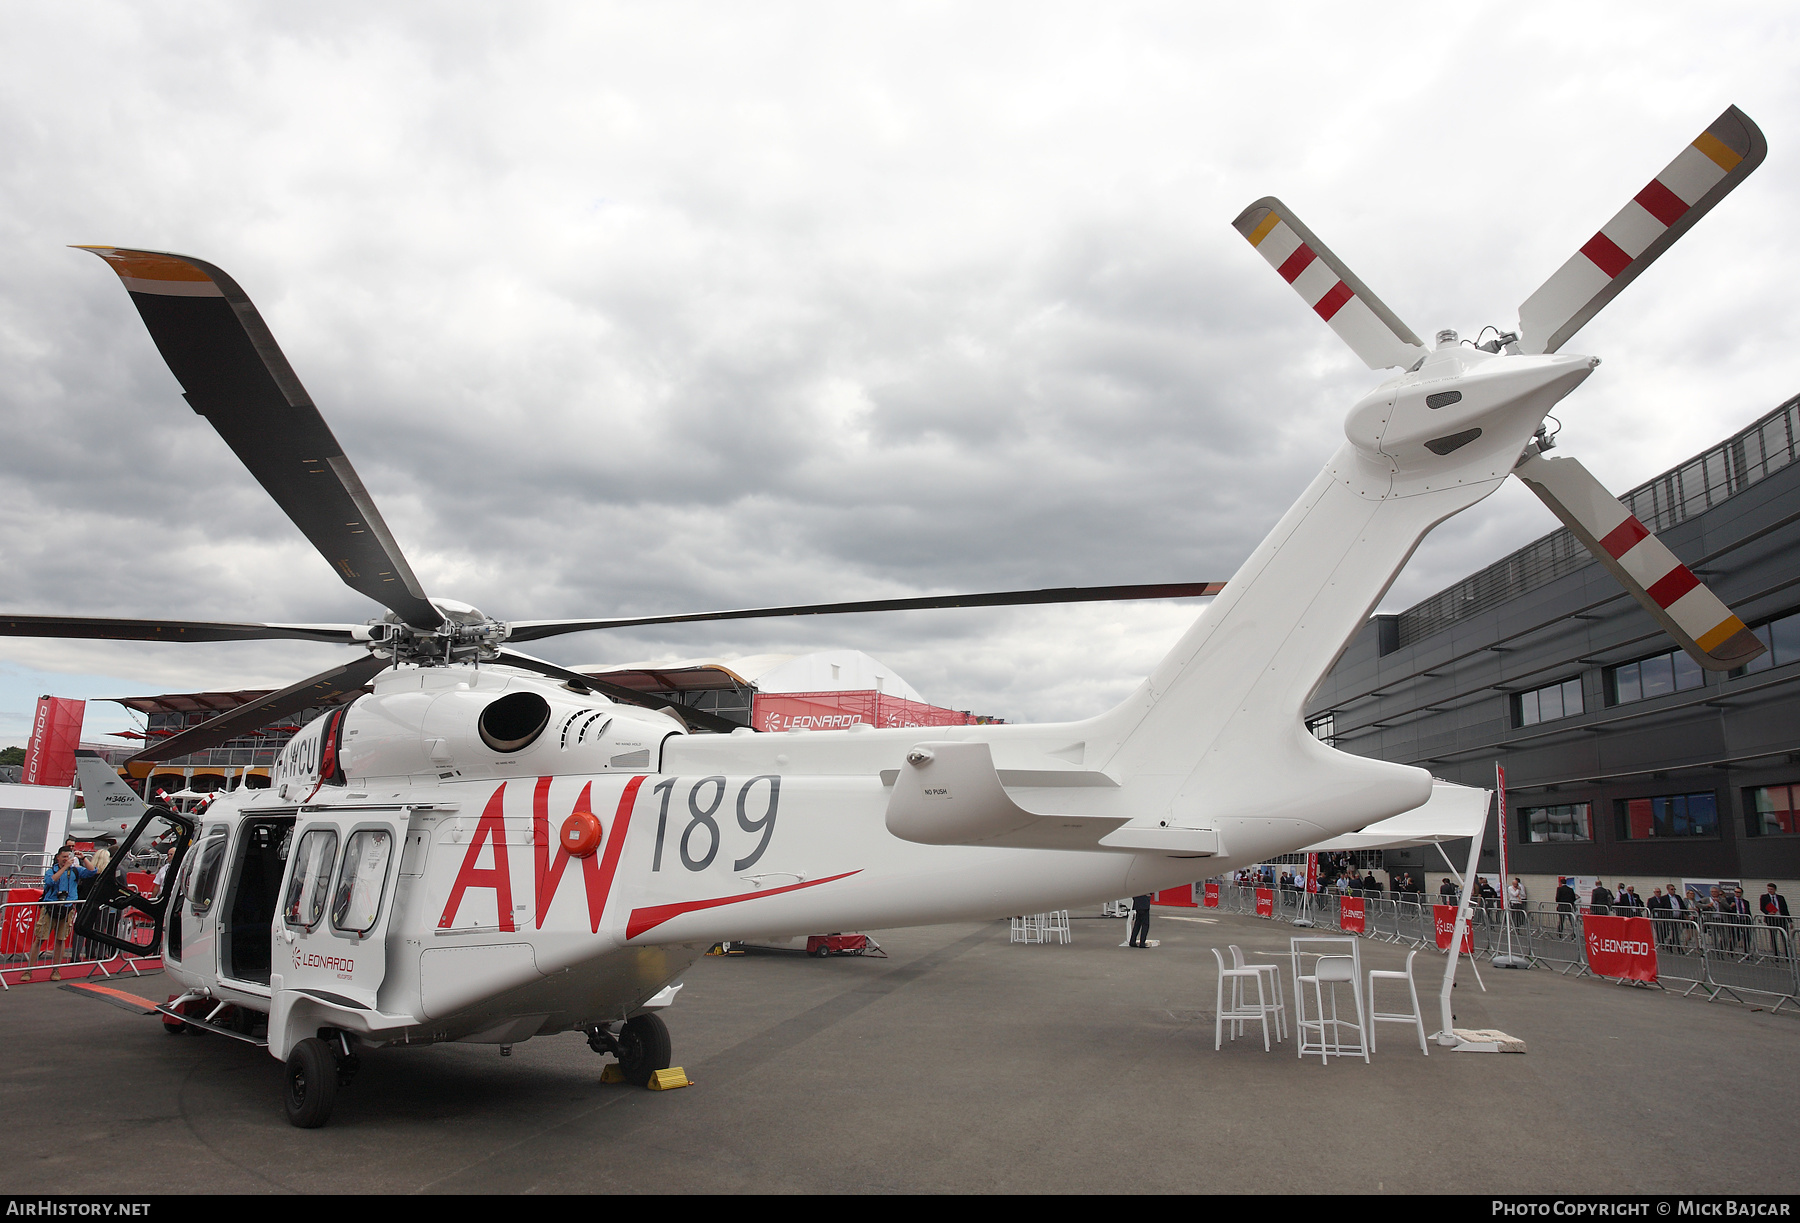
{"x":1722,"y":910}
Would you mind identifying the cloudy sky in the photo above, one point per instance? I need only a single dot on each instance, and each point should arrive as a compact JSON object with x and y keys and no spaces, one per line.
{"x":636,"y":308}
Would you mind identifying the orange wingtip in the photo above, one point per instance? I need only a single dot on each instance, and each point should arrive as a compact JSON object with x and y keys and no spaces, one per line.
{"x":147,"y":265}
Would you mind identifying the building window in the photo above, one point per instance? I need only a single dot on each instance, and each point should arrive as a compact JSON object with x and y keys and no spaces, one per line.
{"x":1671,"y":815}
{"x":1782,"y":637}
{"x":1568,"y":822}
{"x":1769,"y":811}
{"x":1652,"y":677}
{"x":1324,"y":728}
{"x":1548,"y":703}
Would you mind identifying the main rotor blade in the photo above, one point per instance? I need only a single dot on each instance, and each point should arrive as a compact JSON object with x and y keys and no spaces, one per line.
{"x":534,"y":630}
{"x":235,"y":375}
{"x":245,"y":718}
{"x":1335,"y":293}
{"x":628,"y":696}
{"x":1693,"y":615}
{"x":102,"y":628}
{"x":1701,"y":175}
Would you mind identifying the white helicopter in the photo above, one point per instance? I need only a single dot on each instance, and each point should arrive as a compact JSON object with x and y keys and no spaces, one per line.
{"x":487,"y":847}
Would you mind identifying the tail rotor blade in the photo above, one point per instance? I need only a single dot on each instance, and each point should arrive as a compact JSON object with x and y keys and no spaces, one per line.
{"x":234,"y":374}
{"x":316,"y":690}
{"x":1333,"y":292}
{"x":1693,"y":615}
{"x":1702,"y":174}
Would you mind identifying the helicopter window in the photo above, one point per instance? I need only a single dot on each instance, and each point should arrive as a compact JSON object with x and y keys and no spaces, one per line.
{"x":361,"y":880}
{"x":310,"y":880}
{"x":206,"y":872}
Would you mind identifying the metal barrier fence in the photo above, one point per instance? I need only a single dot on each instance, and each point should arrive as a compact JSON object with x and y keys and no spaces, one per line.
{"x":1722,"y":954}
{"x":20,"y":951}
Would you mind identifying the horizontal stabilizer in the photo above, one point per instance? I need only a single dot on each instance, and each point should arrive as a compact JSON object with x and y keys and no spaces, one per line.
{"x":1668,"y":589}
{"x":1330,"y":289}
{"x":1701,"y":175}
{"x":951,"y":794}
{"x":1452,"y":813}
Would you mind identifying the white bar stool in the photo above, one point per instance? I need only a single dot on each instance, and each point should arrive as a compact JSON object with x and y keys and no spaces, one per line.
{"x":1332,"y":970}
{"x":1273,"y":972}
{"x":1239,"y":1012}
{"x":1415,"y":1017}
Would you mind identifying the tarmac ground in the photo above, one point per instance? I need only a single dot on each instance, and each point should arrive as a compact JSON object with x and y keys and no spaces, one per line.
{"x":963,"y":1063}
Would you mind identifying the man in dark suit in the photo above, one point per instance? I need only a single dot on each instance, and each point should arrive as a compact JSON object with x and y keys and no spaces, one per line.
{"x":1566,"y":900}
{"x":1678,"y":910}
{"x":1140,"y":921}
{"x":1601,"y":900}
{"x":1774,"y":908}
{"x":1659,"y":912}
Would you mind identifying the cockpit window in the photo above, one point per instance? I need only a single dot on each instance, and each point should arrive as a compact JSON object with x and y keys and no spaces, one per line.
{"x":206,"y":870}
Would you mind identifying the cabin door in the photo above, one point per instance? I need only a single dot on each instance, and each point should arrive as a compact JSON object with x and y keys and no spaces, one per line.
{"x":330,"y":935}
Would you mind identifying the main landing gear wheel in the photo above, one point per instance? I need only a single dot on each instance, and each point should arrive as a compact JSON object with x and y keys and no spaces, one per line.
{"x":311,"y":1084}
{"x":644,"y":1048}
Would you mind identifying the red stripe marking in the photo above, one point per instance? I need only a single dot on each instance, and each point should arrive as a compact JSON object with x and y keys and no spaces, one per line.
{"x":1662,"y":203}
{"x":1333,"y":301}
{"x":649,"y":919}
{"x":1296,"y":262}
{"x":1673,"y":584}
{"x":1606,"y":255}
{"x":1622,"y":538}
{"x":115,"y":993}
{"x":609,"y":862}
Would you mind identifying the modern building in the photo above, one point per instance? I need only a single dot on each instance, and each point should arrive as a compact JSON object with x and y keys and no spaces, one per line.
{"x":1623,"y":758}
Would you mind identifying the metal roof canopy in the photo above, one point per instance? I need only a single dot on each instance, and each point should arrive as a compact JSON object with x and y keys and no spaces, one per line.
{"x":207,"y":702}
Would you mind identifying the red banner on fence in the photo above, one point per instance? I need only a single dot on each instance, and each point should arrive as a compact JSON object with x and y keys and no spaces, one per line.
{"x":1265,"y":902}
{"x":1445,"y":916}
{"x":1212,"y":895}
{"x":1621,"y":947}
{"x":1350,"y":914}
{"x":1182,"y":896}
{"x":20,"y":920}
{"x":55,"y":734}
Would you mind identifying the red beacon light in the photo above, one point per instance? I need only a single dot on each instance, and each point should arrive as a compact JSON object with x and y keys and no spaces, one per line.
{"x":581,"y":834}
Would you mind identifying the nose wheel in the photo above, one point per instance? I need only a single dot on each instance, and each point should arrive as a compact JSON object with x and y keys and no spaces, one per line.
{"x":315,"y":1070}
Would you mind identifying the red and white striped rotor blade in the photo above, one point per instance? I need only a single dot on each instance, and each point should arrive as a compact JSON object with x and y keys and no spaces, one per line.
{"x":1701,"y":175}
{"x":1332,"y":290}
{"x":1693,"y":615}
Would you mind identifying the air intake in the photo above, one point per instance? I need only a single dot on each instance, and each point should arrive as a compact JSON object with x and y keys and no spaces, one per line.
{"x":514,"y":721}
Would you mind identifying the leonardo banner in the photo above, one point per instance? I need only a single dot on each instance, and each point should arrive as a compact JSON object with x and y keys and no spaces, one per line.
{"x":55,"y":734}
{"x":1212,"y":895}
{"x":1620,"y":947}
{"x":1265,"y":902}
{"x":1444,"y":916}
{"x":1350,"y":915}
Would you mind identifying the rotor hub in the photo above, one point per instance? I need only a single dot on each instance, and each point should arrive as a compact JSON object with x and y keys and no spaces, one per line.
{"x":466,"y":634}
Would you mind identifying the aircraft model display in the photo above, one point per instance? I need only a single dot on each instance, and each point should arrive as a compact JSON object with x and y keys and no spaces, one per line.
{"x":486,"y":847}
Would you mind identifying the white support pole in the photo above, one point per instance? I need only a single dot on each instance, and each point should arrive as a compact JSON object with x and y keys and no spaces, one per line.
{"x":1446,"y":1034}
